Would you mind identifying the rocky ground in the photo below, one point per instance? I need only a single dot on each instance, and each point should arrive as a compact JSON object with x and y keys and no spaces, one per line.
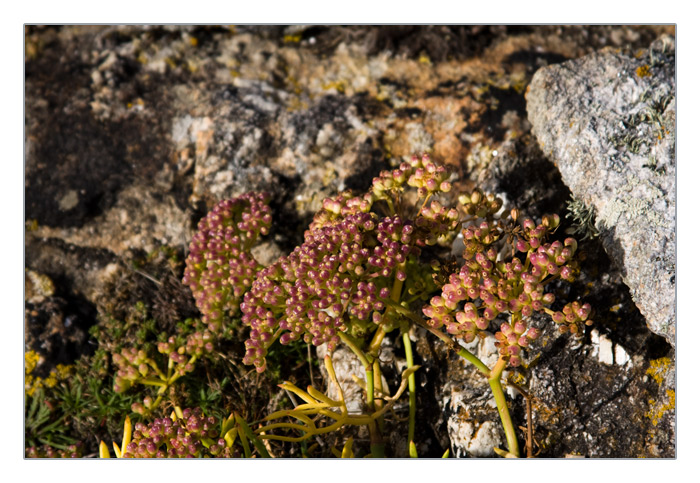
{"x":134,"y":132}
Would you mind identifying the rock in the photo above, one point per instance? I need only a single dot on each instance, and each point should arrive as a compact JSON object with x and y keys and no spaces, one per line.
{"x":346,"y":365}
{"x":37,"y":286}
{"x":351,"y":375}
{"x":607,"y":121}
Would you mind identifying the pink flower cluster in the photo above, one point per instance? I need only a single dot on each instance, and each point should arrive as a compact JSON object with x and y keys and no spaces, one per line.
{"x":340,"y":278}
{"x":341,"y":275}
{"x":220,"y":267}
{"x":180,"y":438}
{"x":487,"y":285}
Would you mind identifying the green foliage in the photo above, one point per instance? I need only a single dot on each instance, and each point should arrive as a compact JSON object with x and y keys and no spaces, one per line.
{"x":41,"y":428}
{"x":582,"y":218}
{"x":71,"y":412}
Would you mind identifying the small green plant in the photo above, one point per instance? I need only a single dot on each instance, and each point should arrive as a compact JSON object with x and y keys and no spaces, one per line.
{"x":45,"y":435}
{"x":60,"y":416}
{"x":140,"y":366}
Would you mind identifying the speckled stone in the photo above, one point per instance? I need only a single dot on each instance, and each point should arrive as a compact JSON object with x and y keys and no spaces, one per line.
{"x":608,"y":122}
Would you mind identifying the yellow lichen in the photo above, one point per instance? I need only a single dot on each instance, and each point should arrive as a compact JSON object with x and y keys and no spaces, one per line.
{"x":658,"y":369}
{"x":657,"y":410}
{"x":63,"y":371}
{"x":643,"y":71}
{"x":292,"y":39}
{"x":338,"y":85}
{"x":32,"y":383}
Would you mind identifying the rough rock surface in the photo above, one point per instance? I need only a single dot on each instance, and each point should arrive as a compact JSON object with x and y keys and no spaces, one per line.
{"x":133,"y":132}
{"x":607,"y":121}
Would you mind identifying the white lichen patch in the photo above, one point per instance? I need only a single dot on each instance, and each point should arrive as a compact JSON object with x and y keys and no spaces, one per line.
{"x":635,"y":210}
{"x":461,"y":433}
{"x":419,"y":140}
{"x":470,"y":439}
{"x":487,"y":437}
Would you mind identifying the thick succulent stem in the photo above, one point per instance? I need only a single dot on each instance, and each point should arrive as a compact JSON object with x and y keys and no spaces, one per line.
{"x":502,"y":405}
{"x":375,"y":437}
{"x":378,"y":403}
{"x":411,"y":389}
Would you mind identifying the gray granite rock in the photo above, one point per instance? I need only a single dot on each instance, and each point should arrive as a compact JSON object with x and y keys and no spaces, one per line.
{"x":607,"y":121}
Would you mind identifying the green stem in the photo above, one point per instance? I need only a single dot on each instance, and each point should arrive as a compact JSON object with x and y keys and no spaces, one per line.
{"x":378,"y":403}
{"x":411,"y":389}
{"x":376,"y":342}
{"x":156,"y":403}
{"x":149,"y":381}
{"x":502,"y":405}
{"x":177,"y":375}
{"x":390,"y":204}
{"x":376,"y":448}
{"x":493,"y":375}
{"x":375,"y":439}
{"x":474,"y":360}
{"x":249,"y":434}
{"x":369,"y":374}
{"x":155,"y":367}
{"x":171,"y":365}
